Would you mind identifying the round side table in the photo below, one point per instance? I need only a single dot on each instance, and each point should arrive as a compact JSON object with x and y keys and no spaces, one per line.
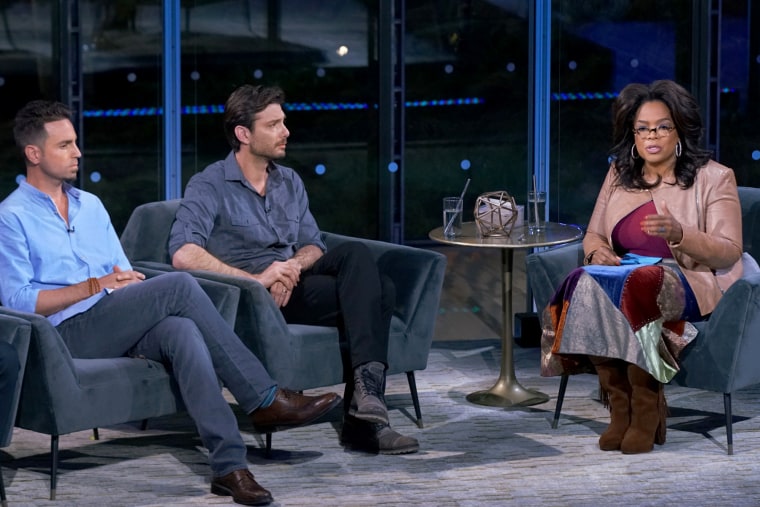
{"x":507,"y":392}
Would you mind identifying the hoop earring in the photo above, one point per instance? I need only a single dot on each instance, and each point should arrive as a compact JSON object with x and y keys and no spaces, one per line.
{"x":679,"y":149}
{"x":634,"y":153}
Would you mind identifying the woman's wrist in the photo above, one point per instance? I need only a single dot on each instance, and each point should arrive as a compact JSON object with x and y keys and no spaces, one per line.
{"x":678,"y":241}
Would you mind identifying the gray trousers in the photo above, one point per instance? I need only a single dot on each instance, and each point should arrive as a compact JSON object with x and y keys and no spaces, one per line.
{"x":170,"y":319}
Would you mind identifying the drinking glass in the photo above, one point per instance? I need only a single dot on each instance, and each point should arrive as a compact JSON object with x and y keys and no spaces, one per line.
{"x":452,"y":217}
{"x":536,"y":211}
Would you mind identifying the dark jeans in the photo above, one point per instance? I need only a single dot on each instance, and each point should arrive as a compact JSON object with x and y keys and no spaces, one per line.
{"x":170,"y":319}
{"x":345,"y":289}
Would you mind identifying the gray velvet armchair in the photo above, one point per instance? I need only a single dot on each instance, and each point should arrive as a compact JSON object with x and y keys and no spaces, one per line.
{"x":15,"y":332}
{"x":61,"y":394}
{"x":723,"y":356}
{"x":299,"y":356}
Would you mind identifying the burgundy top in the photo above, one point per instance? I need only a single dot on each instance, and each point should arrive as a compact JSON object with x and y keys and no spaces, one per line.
{"x":627,"y":235}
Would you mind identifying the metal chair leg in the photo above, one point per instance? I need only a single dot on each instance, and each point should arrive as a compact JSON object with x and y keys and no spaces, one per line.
{"x":560,"y":399}
{"x":415,"y":398}
{"x":268,"y":450}
{"x":53,"y":464}
{"x":729,"y":422}
{"x":3,"y":499}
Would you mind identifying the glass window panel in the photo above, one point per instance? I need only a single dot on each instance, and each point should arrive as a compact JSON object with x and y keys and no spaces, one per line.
{"x":466,"y":92}
{"x":317,"y":52}
{"x":26,"y":51}
{"x":122,"y":145}
{"x":740,"y":97}
{"x":467,"y":115}
{"x":598,"y":48}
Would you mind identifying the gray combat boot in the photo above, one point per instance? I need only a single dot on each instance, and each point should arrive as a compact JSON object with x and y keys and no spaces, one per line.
{"x":375,"y":438}
{"x":368,"y":400}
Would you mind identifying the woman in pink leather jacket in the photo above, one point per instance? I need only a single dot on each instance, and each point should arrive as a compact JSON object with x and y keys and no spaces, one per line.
{"x":663,"y":243}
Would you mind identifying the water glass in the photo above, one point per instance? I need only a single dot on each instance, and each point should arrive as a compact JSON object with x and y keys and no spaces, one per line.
{"x":536,"y":211}
{"x":452,"y":217}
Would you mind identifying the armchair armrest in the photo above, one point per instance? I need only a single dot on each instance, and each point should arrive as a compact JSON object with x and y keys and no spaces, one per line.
{"x":416,"y":273}
{"x":547,"y":269}
{"x":16,"y":332}
{"x":723,"y":356}
{"x":49,"y":367}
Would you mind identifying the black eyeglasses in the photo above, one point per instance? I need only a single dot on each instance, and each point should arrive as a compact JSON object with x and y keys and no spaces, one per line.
{"x":659,"y":131}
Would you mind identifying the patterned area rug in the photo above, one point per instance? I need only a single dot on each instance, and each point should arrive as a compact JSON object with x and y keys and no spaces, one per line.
{"x":470,"y":455}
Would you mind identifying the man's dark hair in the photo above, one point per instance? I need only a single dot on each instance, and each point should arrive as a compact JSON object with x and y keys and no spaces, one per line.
{"x":29,"y":124}
{"x":243,"y":104}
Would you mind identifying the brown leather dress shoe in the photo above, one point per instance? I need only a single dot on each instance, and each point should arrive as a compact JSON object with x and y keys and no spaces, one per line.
{"x":242,"y":487}
{"x":290,"y":409}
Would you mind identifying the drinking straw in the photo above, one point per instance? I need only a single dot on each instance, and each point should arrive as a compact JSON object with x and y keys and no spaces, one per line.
{"x":459,"y":204}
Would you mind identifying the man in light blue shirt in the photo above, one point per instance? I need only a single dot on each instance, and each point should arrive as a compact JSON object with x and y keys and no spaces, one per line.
{"x":62,"y":259}
{"x":64,"y":253}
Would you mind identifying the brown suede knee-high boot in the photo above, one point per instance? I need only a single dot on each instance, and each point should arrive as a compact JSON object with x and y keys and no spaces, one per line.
{"x":648,"y":413}
{"x":616,"y":394}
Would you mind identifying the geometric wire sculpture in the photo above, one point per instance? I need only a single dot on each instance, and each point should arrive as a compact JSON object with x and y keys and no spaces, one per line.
{"x":495,"y":213}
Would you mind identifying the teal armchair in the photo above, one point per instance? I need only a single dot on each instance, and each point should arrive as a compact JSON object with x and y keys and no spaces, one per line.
{"x":61,"y":394}
{"x":300,"y":356}
{"x":723,"y":356}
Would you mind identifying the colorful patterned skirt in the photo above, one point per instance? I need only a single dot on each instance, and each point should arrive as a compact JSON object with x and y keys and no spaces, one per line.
{"x":639,"y":314}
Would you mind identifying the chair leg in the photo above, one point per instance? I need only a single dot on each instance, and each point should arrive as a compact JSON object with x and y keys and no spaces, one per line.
{"x":3,"y":500}
{"x":415,"y":398}
{"x":53,"y":464}
{"x":560,"y":399}
{"x":95,"y":434}
{"x":144,"y":425}
{"x":729,"y":422}
{"x":268,"y":450}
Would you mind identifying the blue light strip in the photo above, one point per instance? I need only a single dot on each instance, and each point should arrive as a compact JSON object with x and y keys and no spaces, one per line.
{"x":290,"y":106}
{"x":343,"y":106}
{"x":583,"y":96}
{"x":324,"y":106}
{"x":559,"y":97}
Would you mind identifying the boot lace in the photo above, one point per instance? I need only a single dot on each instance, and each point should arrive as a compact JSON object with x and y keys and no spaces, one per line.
{"x":367,"y":383}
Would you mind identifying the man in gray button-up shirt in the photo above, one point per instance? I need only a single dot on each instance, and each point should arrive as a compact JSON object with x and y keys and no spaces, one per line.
{"x":248,"y":216}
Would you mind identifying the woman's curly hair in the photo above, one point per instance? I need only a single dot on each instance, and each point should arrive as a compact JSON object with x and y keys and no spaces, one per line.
{"x":686,"y":118}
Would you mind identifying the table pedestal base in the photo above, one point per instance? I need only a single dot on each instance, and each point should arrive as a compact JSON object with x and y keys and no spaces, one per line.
{"x":507,"y":394}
